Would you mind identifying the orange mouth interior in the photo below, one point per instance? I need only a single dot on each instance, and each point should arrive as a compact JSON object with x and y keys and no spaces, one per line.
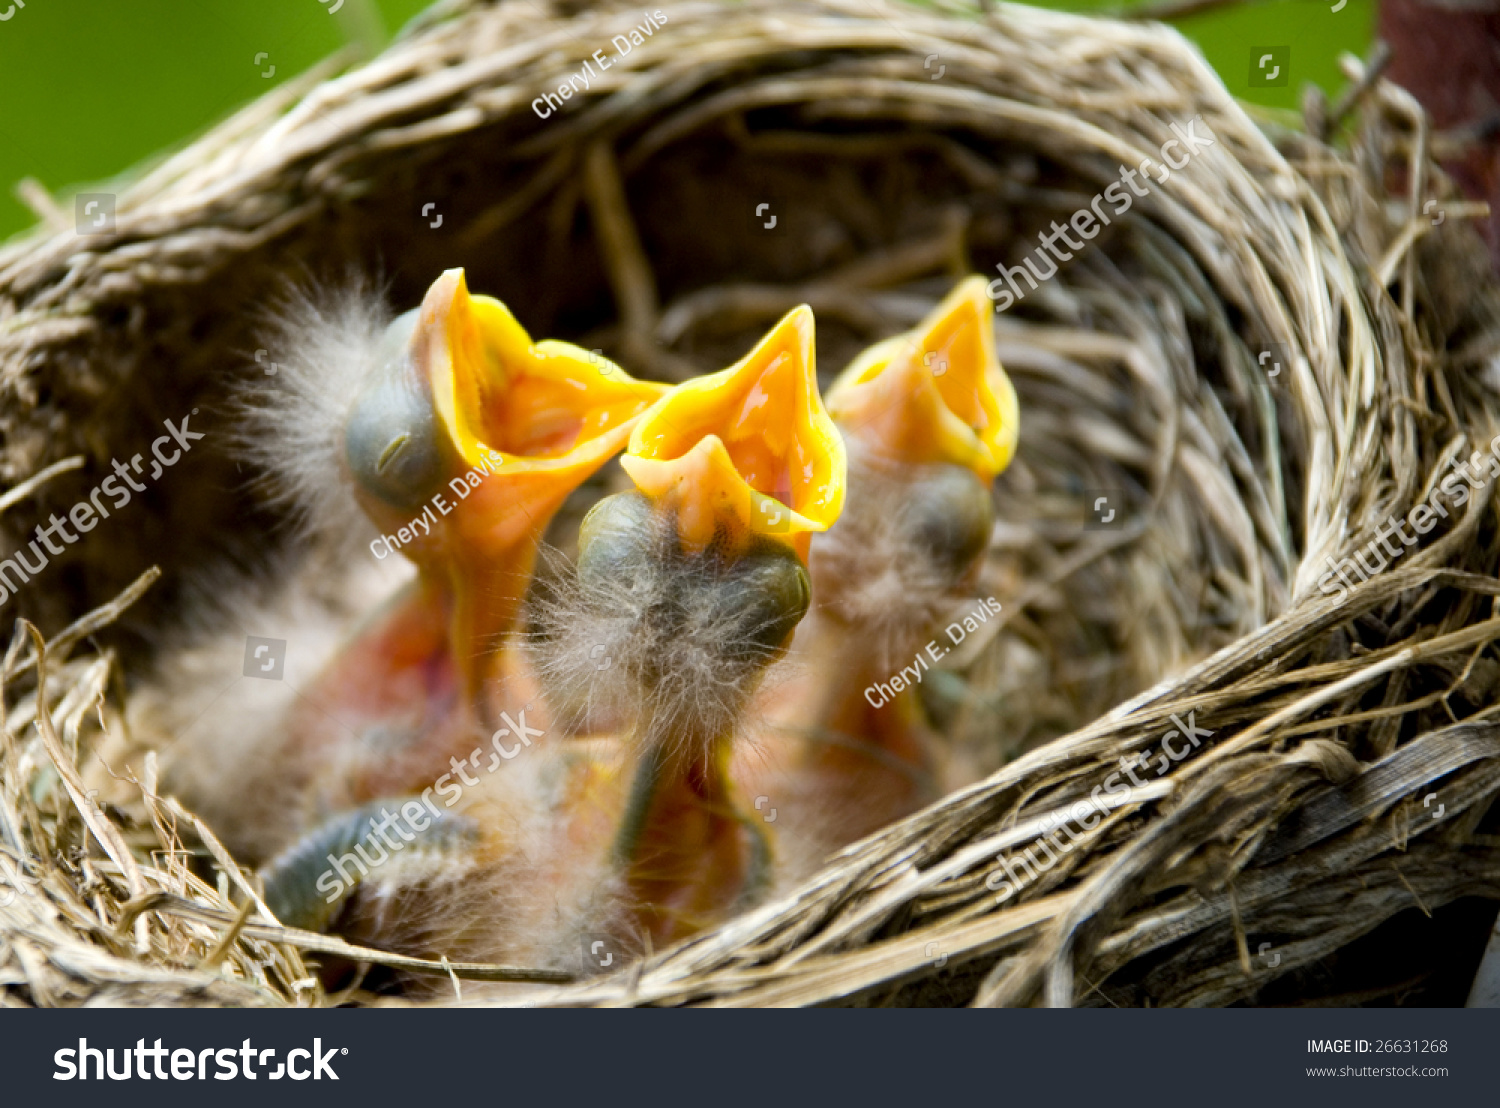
{"x":497,"y":392}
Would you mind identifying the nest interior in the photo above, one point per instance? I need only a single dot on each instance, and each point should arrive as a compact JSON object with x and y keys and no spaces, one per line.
{"x":1270,"y":354}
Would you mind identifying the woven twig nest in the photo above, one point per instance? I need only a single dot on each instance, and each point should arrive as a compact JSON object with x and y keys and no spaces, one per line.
{"x":1271,"y":354}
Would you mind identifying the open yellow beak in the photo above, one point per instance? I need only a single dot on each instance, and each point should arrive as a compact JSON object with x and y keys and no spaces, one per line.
{"x":529,"y":421}
{"x":747,"y":451}
{"x":518,"y":426}
{"x":936,"y":393}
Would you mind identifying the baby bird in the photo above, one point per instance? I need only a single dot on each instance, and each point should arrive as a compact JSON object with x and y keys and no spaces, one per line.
{"x":459,"y":438}
{"x":929,"y":419}
{"x":621,"y":821}
{"x":693,"y":585}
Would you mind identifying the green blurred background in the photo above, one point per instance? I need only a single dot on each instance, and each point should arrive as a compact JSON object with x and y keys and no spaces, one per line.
{"x":90,"y":88}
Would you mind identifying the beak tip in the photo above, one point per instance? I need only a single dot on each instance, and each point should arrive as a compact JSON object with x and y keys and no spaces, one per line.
{"x":449,"y":291}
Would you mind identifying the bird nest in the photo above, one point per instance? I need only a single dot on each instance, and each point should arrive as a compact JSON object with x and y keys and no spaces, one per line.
{"x":1278,"y":350}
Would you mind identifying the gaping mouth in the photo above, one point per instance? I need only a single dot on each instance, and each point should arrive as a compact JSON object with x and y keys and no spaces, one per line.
{"x":936,"y":393}
{"x":540,"y":406}
{"x":748,"y":450}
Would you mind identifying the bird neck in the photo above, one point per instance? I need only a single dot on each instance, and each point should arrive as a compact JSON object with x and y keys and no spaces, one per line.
{"x":686,"y":851}
{"x":842,"y":665}
{"x":486,"y":593}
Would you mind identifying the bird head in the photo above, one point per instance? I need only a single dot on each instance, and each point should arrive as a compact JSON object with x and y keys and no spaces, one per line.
{"x":462,"y":393}
{"x":693,"y":582}
{"x":930,"y":418}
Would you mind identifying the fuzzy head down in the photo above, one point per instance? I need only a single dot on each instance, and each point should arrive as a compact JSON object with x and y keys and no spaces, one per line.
{"x":667,"y":642}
